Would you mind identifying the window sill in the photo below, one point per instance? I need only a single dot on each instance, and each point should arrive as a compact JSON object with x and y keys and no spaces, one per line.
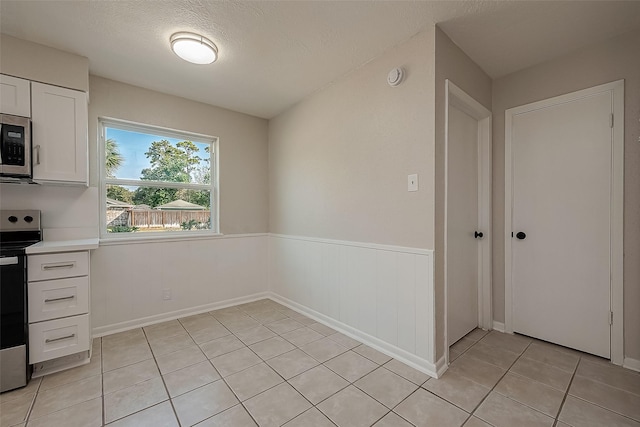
{"x":181,"y":237}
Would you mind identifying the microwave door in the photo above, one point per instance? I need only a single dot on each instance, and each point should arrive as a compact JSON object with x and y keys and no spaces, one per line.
{"x":15,"y":147}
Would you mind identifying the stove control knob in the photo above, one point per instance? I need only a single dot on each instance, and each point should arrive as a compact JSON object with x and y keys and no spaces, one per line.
{"x":13,"y":219}
{"x":28,"y":218}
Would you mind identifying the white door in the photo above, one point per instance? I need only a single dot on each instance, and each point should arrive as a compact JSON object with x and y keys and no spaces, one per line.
{"x":561,"y":198}
{"x":462,"y":223}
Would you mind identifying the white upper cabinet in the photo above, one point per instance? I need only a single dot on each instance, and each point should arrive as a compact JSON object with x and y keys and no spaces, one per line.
{"x":60,"y":139}
{"x":15,"y":98}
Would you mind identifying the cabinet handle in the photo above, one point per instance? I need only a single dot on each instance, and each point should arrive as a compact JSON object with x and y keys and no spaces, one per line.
{"x":59,"y":299}
{"x":50,"y":340}
{"x":37,"y":150}
{"x":55,"y":267}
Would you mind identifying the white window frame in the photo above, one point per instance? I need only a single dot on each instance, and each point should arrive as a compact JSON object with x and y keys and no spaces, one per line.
{"x":214,"y":209}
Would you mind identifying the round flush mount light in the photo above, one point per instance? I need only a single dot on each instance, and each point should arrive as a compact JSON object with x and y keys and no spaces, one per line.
{"x":194,"y":48}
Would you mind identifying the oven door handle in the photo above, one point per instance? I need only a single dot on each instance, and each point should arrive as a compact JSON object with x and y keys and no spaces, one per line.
{"x":9,"y":260}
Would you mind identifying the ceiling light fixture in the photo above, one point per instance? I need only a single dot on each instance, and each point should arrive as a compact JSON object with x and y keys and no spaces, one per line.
{"x":194,"y":48}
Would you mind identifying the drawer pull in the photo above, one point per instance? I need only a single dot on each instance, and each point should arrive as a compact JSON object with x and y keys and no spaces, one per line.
{"x":50,"y":340}
{"x":59,"y":299}
{"x":59,"y":266}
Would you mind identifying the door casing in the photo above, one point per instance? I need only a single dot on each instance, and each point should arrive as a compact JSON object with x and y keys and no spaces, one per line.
{"x":617,"y":205}
{"x":461,"y":100}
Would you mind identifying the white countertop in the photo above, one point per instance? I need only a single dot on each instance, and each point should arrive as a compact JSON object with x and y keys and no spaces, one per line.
{"x":62,"y":246}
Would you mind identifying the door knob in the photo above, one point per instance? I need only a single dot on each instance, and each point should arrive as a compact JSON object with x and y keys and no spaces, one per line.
{"x":478,"y":234}
{"x":520,"y":235}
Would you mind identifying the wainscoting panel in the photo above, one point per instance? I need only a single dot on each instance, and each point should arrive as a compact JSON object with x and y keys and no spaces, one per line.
{"x":379,"y":293}
{"x":129,"y":281}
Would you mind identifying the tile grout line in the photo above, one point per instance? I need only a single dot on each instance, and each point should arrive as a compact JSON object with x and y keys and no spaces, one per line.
{"x":596,"y":404}
{"x":497,"y":382}
{"x":566,"y":393}
{"x":350,"y":383}
{"x":27,"y":417}
{"x":166,"y":389}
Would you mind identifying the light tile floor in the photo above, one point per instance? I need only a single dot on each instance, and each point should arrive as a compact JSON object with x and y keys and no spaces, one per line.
{"x":262,"y":363}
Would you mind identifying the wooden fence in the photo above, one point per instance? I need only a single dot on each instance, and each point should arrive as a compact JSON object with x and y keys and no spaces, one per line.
{"x":151,"y":218}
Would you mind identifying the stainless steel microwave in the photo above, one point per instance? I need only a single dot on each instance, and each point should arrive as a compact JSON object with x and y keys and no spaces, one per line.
{"x":15,"y":146}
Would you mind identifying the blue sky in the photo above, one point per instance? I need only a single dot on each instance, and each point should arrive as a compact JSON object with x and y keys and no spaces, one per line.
{"x":133,"y":145}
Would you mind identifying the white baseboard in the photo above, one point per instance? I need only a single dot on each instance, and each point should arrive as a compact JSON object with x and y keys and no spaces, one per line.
{"x":433,"y":370}
{"x":164,"y":317}
{"x":633,"y":364}
{"x":498,"y":326}
{"x":63,"y":363}
{"x":441,"y":366}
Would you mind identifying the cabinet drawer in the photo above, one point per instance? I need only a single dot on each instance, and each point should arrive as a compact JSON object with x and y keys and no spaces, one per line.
{"x":51,"y":299}
{"x":56,"y":266}
{"x":56,"y":338}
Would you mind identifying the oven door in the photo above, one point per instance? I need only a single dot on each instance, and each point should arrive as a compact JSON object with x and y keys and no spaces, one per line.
{"x":13,"y":322}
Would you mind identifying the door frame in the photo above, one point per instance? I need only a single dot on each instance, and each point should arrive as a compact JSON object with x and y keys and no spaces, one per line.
{"x":454,"y":96}
{"x":616,"y":89}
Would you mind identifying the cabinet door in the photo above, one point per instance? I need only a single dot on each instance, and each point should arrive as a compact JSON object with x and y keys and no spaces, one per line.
{"x":14,"y":96}
{"x":60,"y":144}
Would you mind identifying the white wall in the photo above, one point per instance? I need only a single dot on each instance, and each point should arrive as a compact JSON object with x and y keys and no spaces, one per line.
{"x":67,"y":212}
{"x":338,"y":166}
{"x":604,"y":62}
{"x":128,"y":280}
{"x":40,"y":63}
{"x":242,"y":144}
{"x":339,"y":160}
{"x":380,"y":294}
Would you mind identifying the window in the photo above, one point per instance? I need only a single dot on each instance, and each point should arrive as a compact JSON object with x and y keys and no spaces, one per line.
{"x":156,"y":180}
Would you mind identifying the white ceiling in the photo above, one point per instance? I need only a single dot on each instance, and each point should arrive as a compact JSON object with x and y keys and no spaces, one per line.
{"x":274,"y":53}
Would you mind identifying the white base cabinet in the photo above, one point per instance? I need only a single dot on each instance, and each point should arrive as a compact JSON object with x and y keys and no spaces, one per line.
{"x":59,"y":294}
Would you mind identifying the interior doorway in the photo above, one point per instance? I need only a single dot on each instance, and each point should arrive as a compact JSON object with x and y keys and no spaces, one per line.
{"x":467,"y":248}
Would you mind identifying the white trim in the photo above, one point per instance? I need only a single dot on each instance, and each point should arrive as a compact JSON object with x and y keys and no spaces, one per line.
{"x":617,"y":207}
{"x":390,"y":350}
{"x":178,"y":237}
{"x":498,"y":326}
{"x":461,"y":100}
{"x":172,"y":315}
{"x":617,"y":225}
{"x":633,"y":364}
{"x":409,"y":250}
{"x":442,"y":365}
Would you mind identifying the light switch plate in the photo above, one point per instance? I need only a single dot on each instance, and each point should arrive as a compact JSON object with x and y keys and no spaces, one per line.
{"x":412,"y":183}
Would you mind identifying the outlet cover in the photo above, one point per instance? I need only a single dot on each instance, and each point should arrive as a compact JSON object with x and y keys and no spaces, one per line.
{"x":166,"y":294}
{"x":412,"y":182}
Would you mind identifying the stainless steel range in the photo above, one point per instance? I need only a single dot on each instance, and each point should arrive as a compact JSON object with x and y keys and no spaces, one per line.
{"x":18,"y":230}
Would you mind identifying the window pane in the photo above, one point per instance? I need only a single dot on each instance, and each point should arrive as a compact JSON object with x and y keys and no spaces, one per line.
{"x":147,"y":209}
{"x":144,"y":156}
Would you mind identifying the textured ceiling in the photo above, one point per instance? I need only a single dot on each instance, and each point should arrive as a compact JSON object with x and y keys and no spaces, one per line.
{"x":274,"y":53}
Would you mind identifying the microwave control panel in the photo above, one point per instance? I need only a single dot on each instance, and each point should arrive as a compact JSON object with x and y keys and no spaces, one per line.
{"x":13,"y":145}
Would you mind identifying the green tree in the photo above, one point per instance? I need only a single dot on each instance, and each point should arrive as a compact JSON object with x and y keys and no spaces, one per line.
{"x":118,"y":192}
{"x":113,"y":157}
{"x":172,"y":163}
